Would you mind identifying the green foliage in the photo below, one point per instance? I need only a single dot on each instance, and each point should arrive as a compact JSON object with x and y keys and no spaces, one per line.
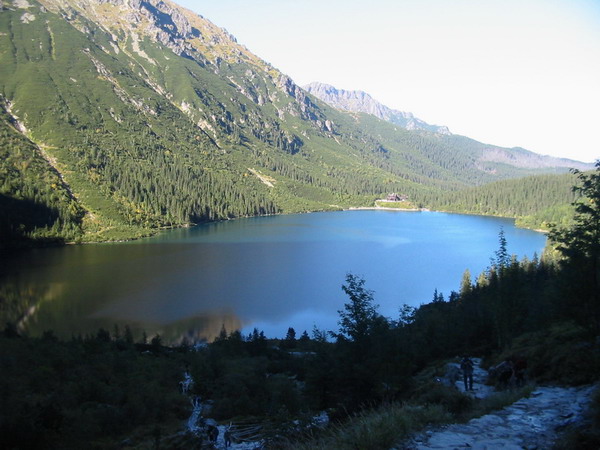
{"x":452,"y":400}
{"x":134,"y":144}
{"x":514,"y":297}
{"x":35,"y":202}
{"x":561,"y":354}
{"x":60,"y":394}
{"x":466,"y":284}
{"x":378,"y":429}
{"x":516,"y":309}
{"x":388,"y":425}
{"x":498,"y":400}
{"x":116,"y":147}
{"x":536,"y":200}
{"x":359,"y":316}
{"x":502,"y":258}
{"x":580,"y":247}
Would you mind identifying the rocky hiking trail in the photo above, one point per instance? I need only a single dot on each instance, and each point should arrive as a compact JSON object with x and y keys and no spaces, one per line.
{"x":529,"y":423}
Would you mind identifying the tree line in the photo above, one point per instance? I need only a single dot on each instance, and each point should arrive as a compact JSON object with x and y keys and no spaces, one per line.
{"x":59,"y":394}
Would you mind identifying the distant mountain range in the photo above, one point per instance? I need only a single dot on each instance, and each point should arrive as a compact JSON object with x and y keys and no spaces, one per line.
{"x":359,"y":101}
{"x":362,"y":102}
{"x":118,"y":117}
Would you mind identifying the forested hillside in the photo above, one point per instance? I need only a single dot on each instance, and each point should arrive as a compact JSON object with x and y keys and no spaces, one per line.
{"x":537,"y":201}
{"x":148,"y":116}
{"x":34,"y":200}
{"x":377,"y":379}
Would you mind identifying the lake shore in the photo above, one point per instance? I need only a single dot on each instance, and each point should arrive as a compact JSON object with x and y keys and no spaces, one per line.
{"x":384,"y":208}
{"x":149,"y":233}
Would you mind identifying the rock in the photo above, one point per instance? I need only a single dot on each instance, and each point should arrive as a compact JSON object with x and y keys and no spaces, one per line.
{"x":359,"y":101}
{"x":529,"y":423}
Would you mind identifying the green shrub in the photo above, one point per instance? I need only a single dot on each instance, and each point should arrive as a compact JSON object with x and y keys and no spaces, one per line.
{"x":564,"y":354}
{"x":498,"y":400}
{"x":377,"y":429}
{"x":451,"y":399}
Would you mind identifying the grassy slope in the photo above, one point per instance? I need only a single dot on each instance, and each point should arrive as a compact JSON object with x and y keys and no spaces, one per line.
{"x":146,"y":138}
{"x":33,"y":185}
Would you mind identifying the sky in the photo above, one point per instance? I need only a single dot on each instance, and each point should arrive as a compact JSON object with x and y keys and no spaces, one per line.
{"x":514,"y":73}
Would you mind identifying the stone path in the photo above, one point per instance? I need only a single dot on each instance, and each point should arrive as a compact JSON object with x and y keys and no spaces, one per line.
{"x":530,"y":423}
{"x":480,"y":389}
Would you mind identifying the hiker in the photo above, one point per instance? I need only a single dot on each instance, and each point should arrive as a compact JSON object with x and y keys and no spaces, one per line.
{"x":466,"y":365}
{"x":503,"y":373}
{"x":227,"y":436}
{"x":519,"y":369}
{"x":213,"y":433}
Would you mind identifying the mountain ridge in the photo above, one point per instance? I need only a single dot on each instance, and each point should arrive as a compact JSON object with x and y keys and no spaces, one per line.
{"x":360,"y":101}
{"x":152,"y":116}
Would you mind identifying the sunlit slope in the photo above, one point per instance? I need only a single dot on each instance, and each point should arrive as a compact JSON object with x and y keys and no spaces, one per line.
{"x":152,"y":116}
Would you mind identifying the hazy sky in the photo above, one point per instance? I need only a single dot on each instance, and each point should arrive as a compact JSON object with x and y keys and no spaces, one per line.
{"x":506,"y":72}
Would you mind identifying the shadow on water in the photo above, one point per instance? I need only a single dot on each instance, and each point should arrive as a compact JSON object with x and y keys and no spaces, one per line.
{"x":20,"y":217}
{"x":25,"y":306}
{"x":79,"y":289}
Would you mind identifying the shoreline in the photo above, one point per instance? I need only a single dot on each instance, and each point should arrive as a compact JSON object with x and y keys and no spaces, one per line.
{"x":384,"y":208}
{"x":191,"y":225}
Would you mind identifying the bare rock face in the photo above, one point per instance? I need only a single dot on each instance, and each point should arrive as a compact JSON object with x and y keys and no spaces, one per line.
{"x":160,"y":20}
{"x":359,"y":101}
{"x":182,"y":31}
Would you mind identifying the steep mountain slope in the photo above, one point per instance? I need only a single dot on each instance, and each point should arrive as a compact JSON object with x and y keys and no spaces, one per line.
{"x":42,"y":201}
{"x":359,"y":101}
{"x":145,"y":115}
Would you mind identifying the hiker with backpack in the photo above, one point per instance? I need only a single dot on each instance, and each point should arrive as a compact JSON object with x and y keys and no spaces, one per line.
{"x":466,"y":365}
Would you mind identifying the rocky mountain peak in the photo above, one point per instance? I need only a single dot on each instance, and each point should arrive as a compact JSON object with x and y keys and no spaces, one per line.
{"x":359,"y":101}
{"x":184,"y":32}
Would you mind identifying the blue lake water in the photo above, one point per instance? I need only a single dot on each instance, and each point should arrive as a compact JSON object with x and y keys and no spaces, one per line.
{"x":268,"y":272}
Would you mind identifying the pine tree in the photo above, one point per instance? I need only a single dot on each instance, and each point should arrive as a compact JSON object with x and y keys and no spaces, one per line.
{"x":502,"y":259}
{"x":466,"y":284}
{"x":580,"y":248}
{"x":290,"y":338}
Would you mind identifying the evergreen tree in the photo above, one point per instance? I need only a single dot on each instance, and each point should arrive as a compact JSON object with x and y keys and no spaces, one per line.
{"x":290,"y":338}
{"x":438,"y":297}
{"x":290,"y":335}
{"x":222,"y":333}
{"x":466,"y":284}
{"x":502,"y":258}
{"x":580,"y":248}
{"x":304,"y":339}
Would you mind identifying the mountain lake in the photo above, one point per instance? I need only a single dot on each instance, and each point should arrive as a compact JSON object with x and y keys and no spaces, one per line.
{"x":266,"y":272}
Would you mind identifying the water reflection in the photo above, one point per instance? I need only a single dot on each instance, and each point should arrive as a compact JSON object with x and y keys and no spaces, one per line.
{"x":20,"y":301}
{"x":201,"y":328}
{"x":77,"y":290}
{"x":271,"y":272}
